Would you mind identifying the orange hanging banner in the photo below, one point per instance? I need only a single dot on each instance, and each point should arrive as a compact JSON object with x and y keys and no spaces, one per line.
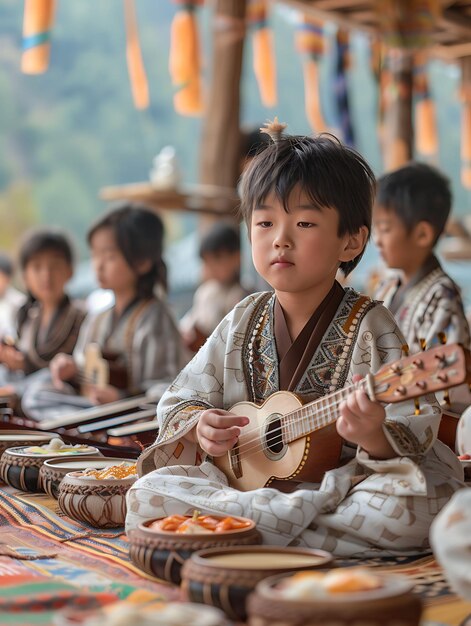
{"x":37,"y":23}
{"x":309,"y":42}
{"x":263,"y":52}
{"x":184,"y":60}
{"x":137,"y":72}
{"x":425,"y":128}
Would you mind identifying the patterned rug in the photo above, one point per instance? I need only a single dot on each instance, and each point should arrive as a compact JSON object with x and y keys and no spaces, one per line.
{"x":48,"y":561}
{"x":442,"y":606}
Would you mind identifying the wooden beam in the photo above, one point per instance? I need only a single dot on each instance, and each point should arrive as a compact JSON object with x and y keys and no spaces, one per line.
{"x":220,"y":158}
{"x":205,"y":199}
{"x":333,"y":5}
{"x":397,"y":124}
{"x":453,"y":51}
{"x":342,"y":19}
{"x":457,"y":22}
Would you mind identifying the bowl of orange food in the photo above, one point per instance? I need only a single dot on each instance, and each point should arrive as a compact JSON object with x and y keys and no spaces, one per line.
{"x":98,"y":496}
{"x":53,"y":471}
{"x":342,"y":597}
{"x":160,"y":546}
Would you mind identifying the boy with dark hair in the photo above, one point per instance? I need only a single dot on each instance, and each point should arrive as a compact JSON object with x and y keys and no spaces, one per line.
{"x":307,"y":202}
{"x":220,"y":290}
{"x":410,"y":213}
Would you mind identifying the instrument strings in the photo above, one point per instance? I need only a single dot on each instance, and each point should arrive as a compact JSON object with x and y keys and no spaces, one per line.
{"x":248,"y":449}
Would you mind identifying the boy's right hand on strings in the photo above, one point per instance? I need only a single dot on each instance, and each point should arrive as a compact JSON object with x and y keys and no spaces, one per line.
{"x":62,"y":367}
{"x":217,"y":431}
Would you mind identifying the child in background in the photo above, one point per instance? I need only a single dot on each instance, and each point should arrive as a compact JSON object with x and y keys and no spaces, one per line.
{"x":10,"y":299}
{"x":220,"y":290}
{"x":411,"y":209}
{"x":137,"y":333}
{"x":48,"y":322}
{"x":307,"y":202}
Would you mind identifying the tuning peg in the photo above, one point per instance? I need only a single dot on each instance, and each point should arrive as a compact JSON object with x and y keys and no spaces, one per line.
{"x":442,"y":337}
{"x":417,"y":406}
{"x":423,"y":344}
{"x":405,"y":349}
{"x":446,"y":397}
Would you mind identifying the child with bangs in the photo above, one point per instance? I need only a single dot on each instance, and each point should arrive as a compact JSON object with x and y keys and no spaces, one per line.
{"x":307,"y":202}
{"x":137,"y":336}
{"x":48,"y":322}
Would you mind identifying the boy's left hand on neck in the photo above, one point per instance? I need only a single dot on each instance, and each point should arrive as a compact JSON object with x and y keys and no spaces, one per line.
{"x":361,"y":422}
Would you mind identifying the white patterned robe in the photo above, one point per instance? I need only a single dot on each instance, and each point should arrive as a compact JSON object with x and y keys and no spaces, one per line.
{"x":451,"y":541}
{"x":365,"y":506}
{"x":430,"y":305}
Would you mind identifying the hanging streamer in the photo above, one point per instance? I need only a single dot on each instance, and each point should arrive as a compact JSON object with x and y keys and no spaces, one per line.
{"x":310,"y":43}
{"x":341,"y":87}
{"x":37,"y":24}
{"x":426,"y":137}
{"x":137,"y":72}
{"x":263,"y":52}
{"x":382,"y":76}
{"x":466,"y":122}
{"x":184,"y":59}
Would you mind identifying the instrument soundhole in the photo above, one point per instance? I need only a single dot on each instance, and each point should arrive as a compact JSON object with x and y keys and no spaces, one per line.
{"x":273,"y":436}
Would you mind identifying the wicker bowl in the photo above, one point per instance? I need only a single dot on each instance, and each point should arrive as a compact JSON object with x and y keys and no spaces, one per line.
{"x":224,"y":577}
{"x":162,"y":553}
{"x":98,"y":502}
{"x":393,"y":604}
{"x":54,"y":470}
{"x":20,"y":468}
{"x":18,"y":438}
{"x":150,"y":613}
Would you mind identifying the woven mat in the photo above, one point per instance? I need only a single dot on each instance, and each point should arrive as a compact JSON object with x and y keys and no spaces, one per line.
{"x":48,"y":561}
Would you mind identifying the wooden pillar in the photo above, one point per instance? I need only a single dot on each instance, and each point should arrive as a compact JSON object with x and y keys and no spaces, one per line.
{"x":220,"y":141}
{"x":398,"y":138}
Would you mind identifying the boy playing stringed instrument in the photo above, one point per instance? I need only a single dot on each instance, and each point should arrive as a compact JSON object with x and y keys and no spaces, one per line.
{"x":307,"y":203}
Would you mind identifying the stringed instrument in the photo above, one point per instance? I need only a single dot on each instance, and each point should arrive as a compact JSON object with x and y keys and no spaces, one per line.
{"x":102,"y":368}
{"x":286,"y":440}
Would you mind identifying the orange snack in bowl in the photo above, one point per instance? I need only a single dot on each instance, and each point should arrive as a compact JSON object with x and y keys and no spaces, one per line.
{"x":197,"y":524}
{"x":350,"y":579}
{"x":309,"y":585}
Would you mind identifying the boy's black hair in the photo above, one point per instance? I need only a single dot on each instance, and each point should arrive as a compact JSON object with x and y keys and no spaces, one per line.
{"x":6,"y":265}
{"x":416,"y":192}
{"x":42,"y":240}
{"x":139,"y":234}
{"x":253,"y":142}
{"x":221,"y":237}
{"x":332,"y":174}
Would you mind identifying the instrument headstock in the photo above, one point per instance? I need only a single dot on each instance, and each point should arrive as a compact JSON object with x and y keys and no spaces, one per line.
{"x":439,"y":368}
